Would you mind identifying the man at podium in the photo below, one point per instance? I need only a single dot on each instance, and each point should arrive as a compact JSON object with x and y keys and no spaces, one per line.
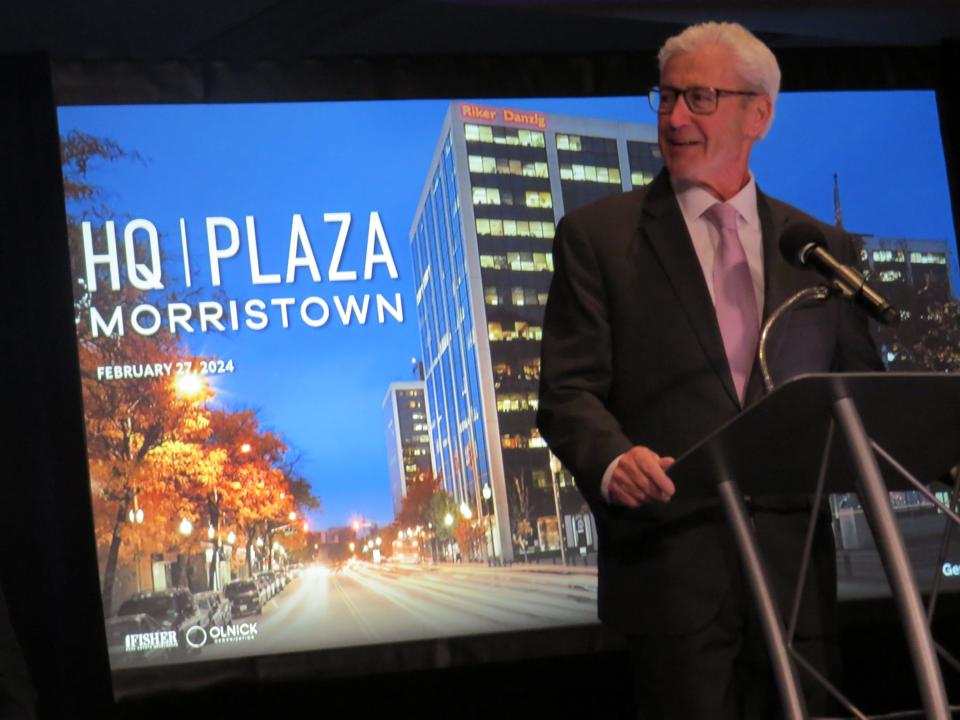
{"x":650,"y":343}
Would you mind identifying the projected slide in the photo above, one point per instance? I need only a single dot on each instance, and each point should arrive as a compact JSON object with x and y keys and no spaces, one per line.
{"x":309,"y":345}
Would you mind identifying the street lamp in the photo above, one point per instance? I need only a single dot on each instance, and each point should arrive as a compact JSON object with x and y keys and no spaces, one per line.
{"x":186,"y":527}
{"x":188,"y":385}
{"x":487,"y":493}
{"x":136,"y":518}
{"x":556,"y":467}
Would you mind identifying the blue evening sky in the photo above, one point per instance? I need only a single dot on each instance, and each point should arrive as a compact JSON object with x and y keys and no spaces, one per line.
{"x":322,"y":388}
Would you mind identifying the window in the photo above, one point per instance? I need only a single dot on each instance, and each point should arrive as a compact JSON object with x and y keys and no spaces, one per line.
{"x":486,"y":196}
{"x":549,"y":532}
{"x":919,"y":258}
{"x":517,"y":402}
{"x":535,"y":199}
{"x":531,"y":369}
{"x":492,"y":295}
{"x":569,"y":142}
{"x":515,"y":228}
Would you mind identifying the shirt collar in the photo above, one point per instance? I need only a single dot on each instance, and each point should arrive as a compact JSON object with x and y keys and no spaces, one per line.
{"x":695,"y":200}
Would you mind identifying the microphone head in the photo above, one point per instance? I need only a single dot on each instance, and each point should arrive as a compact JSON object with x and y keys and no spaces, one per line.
{"x":797,"y":240}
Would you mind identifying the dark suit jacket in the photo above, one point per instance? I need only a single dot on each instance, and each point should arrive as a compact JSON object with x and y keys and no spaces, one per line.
{"x":632,"y":355}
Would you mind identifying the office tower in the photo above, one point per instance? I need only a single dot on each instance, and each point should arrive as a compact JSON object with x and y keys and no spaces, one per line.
{"x":481,"y":243}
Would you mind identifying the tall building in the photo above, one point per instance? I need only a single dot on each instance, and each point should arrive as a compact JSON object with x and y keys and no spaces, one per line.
{"x":409,"y":456}
{"x":913,"y":275}
{"x":481,"y":243}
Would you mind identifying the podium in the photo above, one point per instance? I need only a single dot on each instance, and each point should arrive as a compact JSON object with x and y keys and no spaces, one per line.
{"x":829,"y":433}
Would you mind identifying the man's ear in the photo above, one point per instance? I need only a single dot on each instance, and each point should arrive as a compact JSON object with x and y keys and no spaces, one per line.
{"x":759,"y":116}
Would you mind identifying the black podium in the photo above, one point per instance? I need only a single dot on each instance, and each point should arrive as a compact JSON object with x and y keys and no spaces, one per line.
{"x":786,"y":444}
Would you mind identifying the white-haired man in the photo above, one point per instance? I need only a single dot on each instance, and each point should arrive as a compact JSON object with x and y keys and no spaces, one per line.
{"x":649,"y":344}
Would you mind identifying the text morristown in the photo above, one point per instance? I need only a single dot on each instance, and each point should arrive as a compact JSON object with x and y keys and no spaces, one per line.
{"x":225,"y":241}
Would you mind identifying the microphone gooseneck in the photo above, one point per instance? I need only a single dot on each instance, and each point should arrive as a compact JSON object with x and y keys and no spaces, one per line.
{"x":803,"y":245}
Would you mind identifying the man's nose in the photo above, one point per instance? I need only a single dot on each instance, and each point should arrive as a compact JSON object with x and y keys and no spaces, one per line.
{"x":680,"y":114}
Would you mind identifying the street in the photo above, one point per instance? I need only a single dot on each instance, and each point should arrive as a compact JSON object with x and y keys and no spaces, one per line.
{"x":364,"y":603}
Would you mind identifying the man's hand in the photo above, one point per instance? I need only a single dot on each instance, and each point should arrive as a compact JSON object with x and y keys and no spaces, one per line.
{"x":639,"y":478}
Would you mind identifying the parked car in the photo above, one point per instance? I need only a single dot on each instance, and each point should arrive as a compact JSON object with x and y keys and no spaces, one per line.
{"x":173,"y":609}
{"x":265,"y":588}
{"x":244,"y":596}
{"x":271,"y":580}
{"x":214,"y":607}
{"x":282,"y":577}
{"x":119,"y":627}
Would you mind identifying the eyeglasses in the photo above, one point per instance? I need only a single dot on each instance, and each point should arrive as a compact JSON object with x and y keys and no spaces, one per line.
{"x":699,"y":100}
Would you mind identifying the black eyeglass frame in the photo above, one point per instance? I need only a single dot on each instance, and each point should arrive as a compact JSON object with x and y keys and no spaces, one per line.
{"x":654,"y":96}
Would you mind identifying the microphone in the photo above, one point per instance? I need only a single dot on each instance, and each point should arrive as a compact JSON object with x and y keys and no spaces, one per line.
{"x":803,"y":245}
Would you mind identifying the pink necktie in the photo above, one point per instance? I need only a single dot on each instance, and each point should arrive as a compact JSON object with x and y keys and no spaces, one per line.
{"x":735,"y":299}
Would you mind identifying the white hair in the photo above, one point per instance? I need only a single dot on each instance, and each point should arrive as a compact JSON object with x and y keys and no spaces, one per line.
{"x":755,"y":62}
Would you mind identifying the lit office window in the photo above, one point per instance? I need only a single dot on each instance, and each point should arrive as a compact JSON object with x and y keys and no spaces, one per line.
{"x":486,"y":196}
{"x":569,"y":142}
{"x":492,"y":295}
{"x":919,"y":258}
{"x":536,"y":199}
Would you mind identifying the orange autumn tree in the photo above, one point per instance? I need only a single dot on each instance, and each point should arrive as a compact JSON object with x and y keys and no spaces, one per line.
{"x":125,"y":418}
{"x":125,"y":421}
{"x":260,"y":488}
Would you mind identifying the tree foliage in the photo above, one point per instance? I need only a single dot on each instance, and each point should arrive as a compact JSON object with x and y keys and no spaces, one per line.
{"x":155,"y":443}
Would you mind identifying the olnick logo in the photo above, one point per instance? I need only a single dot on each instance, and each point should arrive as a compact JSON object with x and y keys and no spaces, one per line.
{"x":197,"y":636}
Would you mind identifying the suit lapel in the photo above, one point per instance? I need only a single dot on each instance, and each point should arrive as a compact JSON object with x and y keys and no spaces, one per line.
{"x":664,"y":229}
{"x":775,"y":270}
{"x":781,"y":280}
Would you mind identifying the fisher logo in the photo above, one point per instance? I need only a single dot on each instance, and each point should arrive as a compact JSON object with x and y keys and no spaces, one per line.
{"x":197,"y":636}
{"x":144,"y":642}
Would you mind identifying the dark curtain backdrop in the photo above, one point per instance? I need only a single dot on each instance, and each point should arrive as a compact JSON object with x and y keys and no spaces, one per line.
{"x":47,"y":563}
{"x":47,"y":558}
